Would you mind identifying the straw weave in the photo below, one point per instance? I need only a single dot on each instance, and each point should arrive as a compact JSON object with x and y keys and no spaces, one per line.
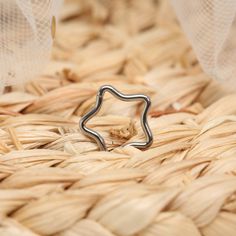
{"x":55,"y":181}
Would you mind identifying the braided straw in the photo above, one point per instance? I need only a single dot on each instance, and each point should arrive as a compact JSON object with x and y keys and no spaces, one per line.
{"x":53,"y":179}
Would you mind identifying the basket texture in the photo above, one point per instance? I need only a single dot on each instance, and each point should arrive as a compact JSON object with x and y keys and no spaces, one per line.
{"x":55,"y":181}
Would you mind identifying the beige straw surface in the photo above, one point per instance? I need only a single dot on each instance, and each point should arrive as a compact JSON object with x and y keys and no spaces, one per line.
{"x":55,"y":181}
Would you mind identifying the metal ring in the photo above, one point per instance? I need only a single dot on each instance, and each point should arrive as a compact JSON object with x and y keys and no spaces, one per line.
{"x":134,"y":97}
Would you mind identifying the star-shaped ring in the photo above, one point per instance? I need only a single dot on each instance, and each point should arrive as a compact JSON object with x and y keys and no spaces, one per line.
{"x":133,"y":97}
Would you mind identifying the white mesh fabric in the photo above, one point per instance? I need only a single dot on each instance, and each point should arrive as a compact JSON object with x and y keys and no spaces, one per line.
{"x":211,"y":27}
{"x":25,"y":38}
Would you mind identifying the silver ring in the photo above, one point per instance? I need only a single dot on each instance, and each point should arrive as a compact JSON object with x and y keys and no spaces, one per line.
{"x":127,"y":98}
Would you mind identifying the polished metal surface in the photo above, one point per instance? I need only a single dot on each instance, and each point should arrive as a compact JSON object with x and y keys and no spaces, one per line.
{"x":127,"y":98}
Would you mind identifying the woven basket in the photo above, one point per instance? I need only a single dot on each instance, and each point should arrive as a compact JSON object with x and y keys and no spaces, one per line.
{"x":55,"y":181}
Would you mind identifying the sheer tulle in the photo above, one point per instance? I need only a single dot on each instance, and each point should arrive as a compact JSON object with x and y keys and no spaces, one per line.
{"x":211,"y":27}
{"x":25,"y":38}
